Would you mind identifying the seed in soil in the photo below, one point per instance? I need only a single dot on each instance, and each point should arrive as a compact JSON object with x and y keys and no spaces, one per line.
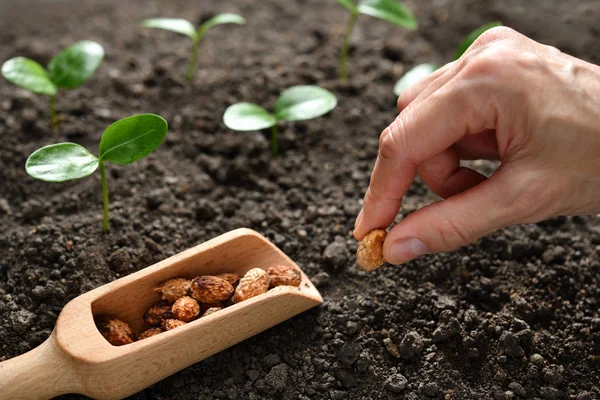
{"x":369,"y":255}
{"x":388,"y":10}
{"x":169,"y":324}
{"x":185,"y":27}
{"x":115,"y":331}
{"x":420,"y":71}
{"x":294,"y":104}
{"x":173,"y":289}
{"x":158,"y":313}
{"x":253,"y":283}
{"x":123,"y":142}
{"x":69,"y":69}
{"x":284,"y":275}
{"x":211,"y":289}
{"x":186,"y":309}
{"x":149,"y":333}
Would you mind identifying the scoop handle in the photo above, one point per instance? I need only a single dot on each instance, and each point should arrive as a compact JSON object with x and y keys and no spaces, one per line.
{"x":42,"y":373}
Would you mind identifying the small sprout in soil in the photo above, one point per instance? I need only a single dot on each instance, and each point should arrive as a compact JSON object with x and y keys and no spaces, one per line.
{"x":422,"y":70}
{"x":294,"y":104}
{"x":123,"y":142}
{"x":392,"y":11}
{"x":69,"y":69}
{"x":185,"y":27}
{"x":369,"y":255}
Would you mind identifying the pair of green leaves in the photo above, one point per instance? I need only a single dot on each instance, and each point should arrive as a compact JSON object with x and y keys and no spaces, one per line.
{"x":388,"y":10}
{"x":69,"y":69}
{"x":294,"y":104}
{"x":185,"y":27}
{"x":422,"y":70}
{"x":123,"y":142}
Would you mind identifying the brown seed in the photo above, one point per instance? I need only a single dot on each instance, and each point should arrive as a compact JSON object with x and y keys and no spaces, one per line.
{"x":115,"y":331}
{"x":173,"y":289}
{"x":211,"y":289}
{"x":211,"y":310}
{"x":149,"y":333}
{"x":206,"y":306}
{"x":284,"y":275}
{"x":158,"y":313}
{"x":186,"y":309}
{"x":169,"y":324}
{"x":233,"y":279}
{"x":255,"y":282}
{"x":369,"y":255}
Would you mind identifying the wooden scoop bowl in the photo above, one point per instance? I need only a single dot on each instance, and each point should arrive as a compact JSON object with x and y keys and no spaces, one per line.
{"x":77,"y":359}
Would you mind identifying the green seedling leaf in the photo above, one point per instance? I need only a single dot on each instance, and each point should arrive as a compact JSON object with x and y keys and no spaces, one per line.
{"x":225,"y":18}
{"x":61,"y":162}
{"x":414,"y":75}
{"x":248,"y":117}
{"x":132,"y":138}
{"x":349,"y":4}
{"x":304,"y":102}
{"x":28,"y":74}
{"x":178,"y":25}
{"x":75,"y":64}
{"x":389,"y":10}
{"x":471,"y":37}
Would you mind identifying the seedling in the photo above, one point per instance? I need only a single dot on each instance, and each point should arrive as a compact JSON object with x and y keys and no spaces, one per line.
{"x":69,"y":69}
{"x":185,"y":27}
{"x":123,"y":142}
{"x":422,"y":70}
{"x":388,"y":10}
{"x":294,"y":104}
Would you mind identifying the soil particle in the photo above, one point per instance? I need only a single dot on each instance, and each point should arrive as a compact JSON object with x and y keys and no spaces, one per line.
{"x":336,"y":253}
{"x":278,"y":376}
{"x":396,"y":383}
{"x":411,"y":345}
{"x":22,"y":320}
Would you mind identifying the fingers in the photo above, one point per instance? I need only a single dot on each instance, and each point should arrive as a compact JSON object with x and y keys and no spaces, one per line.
{"x":451,"y":223}
{"x":479,"y":146}
{"x":444,"y":175}
{"x":419,"y":87}
{"x":419,"y":133}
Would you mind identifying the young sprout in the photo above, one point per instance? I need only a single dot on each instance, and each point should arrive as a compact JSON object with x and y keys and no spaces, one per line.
{"x":294,"y":104}
{"x":123,"y":142}
{"x":388,"y":10}
{"x":185,"y":27}
{"x":422,"y":70}
{"x":69,"y":69}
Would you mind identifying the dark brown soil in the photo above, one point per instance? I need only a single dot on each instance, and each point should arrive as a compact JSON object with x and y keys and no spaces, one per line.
{"x":512,"y":316}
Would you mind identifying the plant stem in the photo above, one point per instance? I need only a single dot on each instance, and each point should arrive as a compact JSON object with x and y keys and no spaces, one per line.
{"x":343,"y":70}
{"x":104,"y":197}
{"x":193,"y":61}
{"x":51,"y":107}
{"x":274,"y":142}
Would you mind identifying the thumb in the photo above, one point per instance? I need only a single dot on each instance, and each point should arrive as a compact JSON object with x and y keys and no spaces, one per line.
{"x":456,"y":221}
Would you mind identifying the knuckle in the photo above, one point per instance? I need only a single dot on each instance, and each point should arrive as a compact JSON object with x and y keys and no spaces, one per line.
{"x":493,"y":35}
{"x":391,"y":139}
{"x":455,"y":235}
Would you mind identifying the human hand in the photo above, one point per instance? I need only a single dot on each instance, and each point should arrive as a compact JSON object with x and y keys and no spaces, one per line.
{"x":508,"y":98}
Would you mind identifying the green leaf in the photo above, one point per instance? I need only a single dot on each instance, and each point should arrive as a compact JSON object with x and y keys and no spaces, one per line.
{"x":75,"y":64}
{"x":389,"y":10}
{"x":304,"y":102}
{"x":414,"y":75}
{"x":247,"y":117}
{"x":29,"y":75}
{"x":349,"y":4}
{"x":178,"y":25}
{"x":225,"y":18}
{"x":471,"y":37}
{"x":61,"y":162}
{"x":132,"y":138}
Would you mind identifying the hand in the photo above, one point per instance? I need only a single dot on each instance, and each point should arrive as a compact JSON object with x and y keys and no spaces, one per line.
{"x":507,"y":98}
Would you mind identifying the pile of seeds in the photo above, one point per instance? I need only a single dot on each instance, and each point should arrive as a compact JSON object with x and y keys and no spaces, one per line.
{"x":185,"y":300}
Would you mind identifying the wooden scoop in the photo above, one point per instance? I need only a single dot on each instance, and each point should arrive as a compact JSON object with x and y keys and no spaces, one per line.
{"x":77,"y":359}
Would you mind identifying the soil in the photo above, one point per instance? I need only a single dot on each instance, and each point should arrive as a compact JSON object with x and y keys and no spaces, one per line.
{"x":514,"y":315}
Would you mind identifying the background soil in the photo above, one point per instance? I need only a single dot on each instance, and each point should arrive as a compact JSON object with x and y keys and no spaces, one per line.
{"x":512,"y":316}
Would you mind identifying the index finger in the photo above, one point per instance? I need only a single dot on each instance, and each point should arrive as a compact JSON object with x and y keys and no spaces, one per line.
{"x":421,"y":131}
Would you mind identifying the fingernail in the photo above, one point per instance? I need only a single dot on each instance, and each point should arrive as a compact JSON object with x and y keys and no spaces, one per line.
{"x":404,"y":250}
{"x":359,"y":218}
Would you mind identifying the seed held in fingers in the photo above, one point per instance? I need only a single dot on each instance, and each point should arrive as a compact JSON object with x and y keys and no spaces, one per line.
{"x":369,"y":255}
